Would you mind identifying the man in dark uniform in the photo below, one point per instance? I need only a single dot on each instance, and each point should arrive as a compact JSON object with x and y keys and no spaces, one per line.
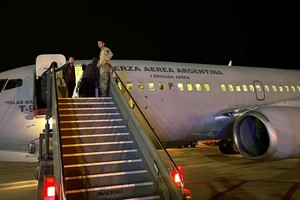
{"x":69,"y":75}
{"x":90,"y":79}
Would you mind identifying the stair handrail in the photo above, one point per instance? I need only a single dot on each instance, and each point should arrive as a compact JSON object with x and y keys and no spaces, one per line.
{"x":115,"y":77}
{"x":57,"y":148}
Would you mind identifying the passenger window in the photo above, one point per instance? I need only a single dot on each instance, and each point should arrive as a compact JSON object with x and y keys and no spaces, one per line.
{"x":223,"y":87}
{"x":189,"y":87}
{"x":13,"y":83}
{"x":298,"y":88}
{"x":245,"y":88}
{"x":198,"y":87}
{"x":161,"y":86}
{"x":180,"y":86}
{"x":129,"y":86}
{"x":287,"y":88}
{"x":2,"y":84}
{"x":131,"y":103}
{"x":267,"y":89}
{"x":280,"y":88}
{"x":151,"y":86}
{"x":171,"y":86}
{"x":206,"y":87}
{"x":237,"y":88}
{"x":251,"y":88}
{"x":274,"y":88}
{"x":258,"y":88}
{"x":293,"y":88}
{"x":230,"y":87}
{"x":120,"y":85}
{"x":141,"y":86}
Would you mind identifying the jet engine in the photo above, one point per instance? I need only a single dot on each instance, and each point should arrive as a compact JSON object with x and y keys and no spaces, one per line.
{"x":268,"y":133}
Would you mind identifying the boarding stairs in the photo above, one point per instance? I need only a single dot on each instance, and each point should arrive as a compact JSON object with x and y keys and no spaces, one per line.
{"x":100,"y":157}
{"x":102,"y":148}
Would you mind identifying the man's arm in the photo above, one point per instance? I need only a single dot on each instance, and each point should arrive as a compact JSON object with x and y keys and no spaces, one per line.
{"x":109,"y":55}
{"x":62,"y":67}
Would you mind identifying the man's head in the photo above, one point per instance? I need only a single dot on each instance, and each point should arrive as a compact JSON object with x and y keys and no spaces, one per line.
{"x":101,"y":44}
{"x":71,"y":59}
{"x":95,"y":60}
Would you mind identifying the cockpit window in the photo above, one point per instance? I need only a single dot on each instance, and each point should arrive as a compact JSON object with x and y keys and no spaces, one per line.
{"x":2,"y":84}
{"x":13,"y":83}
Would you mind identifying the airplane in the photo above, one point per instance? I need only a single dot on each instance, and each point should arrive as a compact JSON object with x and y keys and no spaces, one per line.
{"x":251,"y":110}
{"x":19,"y":124}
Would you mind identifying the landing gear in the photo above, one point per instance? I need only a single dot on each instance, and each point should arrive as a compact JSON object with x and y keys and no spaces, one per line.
{"x":190,"y":144}
{"x":194,"y":144}
{"x":227,"y":146}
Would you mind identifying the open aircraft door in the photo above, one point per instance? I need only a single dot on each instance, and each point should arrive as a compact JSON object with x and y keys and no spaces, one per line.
{"x":44,"y":61}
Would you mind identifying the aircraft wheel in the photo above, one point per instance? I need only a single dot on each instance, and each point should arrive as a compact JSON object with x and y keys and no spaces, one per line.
{"x":193,"y":145}
{"x":227,"y":146}
{"x":223,"y":146}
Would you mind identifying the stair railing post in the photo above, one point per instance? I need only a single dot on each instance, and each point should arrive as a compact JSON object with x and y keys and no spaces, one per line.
{"x":50,"y":76}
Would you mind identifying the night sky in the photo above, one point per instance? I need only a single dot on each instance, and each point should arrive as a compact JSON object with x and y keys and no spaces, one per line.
{"x":250,"y":33}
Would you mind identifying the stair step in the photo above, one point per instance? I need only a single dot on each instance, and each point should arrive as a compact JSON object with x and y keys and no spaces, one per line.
{"x":91,"y":116}
{"x":144,"y":198}
{"x":91,"y":123}
{"x":103,"y":167}
{"x":101,"y":153}
{"x":94,"y":135}
{"x":89,"y":157}
{"x":97,"y":144}
{"x":86,"y":110}
{"x":106,"y":146}
{"x":113,"y":192}
{"x":99,"y":137}
{"x":92,"y":130}
{"x":105,"y":179}
{"x":83,"y":99}
{"x":62,"y":105}
{"x":102,"y":163}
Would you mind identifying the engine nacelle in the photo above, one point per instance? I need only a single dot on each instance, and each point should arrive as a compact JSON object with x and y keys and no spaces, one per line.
{"x":268,"y":133}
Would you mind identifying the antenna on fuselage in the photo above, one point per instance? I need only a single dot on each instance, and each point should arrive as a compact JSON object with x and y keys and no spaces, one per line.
{"x":230,"y":63}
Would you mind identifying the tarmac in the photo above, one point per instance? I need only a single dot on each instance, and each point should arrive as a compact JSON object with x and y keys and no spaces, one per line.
{"x":17,"y":181}
{"x":208,"y":174}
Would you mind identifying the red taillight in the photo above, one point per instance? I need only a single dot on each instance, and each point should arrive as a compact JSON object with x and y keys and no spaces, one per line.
{"x":187,"y":194}
{"x":177,"y":176}
{"x":49,"y":188}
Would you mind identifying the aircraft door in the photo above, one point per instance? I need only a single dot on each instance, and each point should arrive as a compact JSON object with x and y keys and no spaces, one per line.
{"x":259,"y":90}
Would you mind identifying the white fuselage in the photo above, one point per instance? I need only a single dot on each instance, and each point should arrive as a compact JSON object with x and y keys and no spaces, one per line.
{"x":18,"y":126}
{"x":196,"y":115}
{"x":182,"y":101}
